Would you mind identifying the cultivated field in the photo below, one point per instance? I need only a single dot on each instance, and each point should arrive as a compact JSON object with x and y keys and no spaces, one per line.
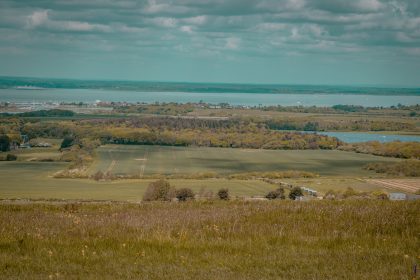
{"x":34,"y":180}
{"x":405,"y":185}
{"x":210,"y":240}
{"x":148,"y":160}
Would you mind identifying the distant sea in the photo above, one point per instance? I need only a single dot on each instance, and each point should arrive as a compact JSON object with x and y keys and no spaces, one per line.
{"x":13,"y":89}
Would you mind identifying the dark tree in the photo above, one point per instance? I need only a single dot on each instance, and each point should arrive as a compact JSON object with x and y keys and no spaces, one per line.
{"x":11,"y":157}
{"x":295,"y":193}
{"x":223,"y":194}
{"x":159,"y":190}
{"x":68,"y":141}
{"x":184,"y":194}
{"x":277,"y":194}
{"x":4,"y":143}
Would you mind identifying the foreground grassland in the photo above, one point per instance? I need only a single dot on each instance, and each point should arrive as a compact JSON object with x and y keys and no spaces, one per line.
{"x":147,"y":160}
{"x":210,"y":240}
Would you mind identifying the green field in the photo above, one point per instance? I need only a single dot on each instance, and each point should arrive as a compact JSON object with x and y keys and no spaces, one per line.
{"x":148,"y":160}
{"x":34,"y":180}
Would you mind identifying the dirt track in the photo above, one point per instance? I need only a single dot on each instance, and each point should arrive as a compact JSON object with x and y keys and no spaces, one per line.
{"x":409,"y":185}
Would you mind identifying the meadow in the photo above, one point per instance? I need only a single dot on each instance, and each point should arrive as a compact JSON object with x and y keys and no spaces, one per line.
{"x":34,"y":180}
{"x":30,"y":178}
{"x":147,"y":160}
{"x":352,"y":239}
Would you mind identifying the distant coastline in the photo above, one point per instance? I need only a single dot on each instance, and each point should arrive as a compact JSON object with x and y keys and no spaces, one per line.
{"x":146,"y":86}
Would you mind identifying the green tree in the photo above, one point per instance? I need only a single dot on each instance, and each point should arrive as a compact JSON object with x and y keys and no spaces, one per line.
{"x":276,"y":194}
{"x":223,"y":194}
{"x":159,"y":190}
{"x":4,"y":143}
{"x":295,"y":193}
{"x":185,"y":194}
{"x":68,"y":141}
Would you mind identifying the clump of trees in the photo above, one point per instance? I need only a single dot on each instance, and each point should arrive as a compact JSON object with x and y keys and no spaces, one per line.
{"x":276,"y":194}
{"x":4,"y":143}
{"x":409,"y":168}
{"x":351,"y":193}
{"x":68,"y":141}
{"x":184,"y":194}
{"x":223,"y":194}
{"x":11,"y":157}
{"x":390,"y":149}
{"x":295,"y":193}
{"x":159,"y":190}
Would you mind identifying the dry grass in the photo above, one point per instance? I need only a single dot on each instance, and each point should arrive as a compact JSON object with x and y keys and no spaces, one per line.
{"x":210,"y":240}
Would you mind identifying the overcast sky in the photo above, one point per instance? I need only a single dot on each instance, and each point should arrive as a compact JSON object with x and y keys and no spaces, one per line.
{"x":271,"y":41}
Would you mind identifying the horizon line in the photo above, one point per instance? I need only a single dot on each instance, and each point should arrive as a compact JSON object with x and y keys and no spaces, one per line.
{"x":216,"y":83}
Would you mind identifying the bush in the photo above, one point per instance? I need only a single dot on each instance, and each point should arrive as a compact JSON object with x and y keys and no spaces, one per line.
{"x":185,"y":194}
{"x":349,"y":192}
{"x":159,"y":190}
{"x":295,"y":193}
{"x":223,"y":194}
{"x":331,"y":194}
{"x":98,"y":176}
{"x":11,"y":157}
{"x":276,"y":194}
{"x":4,"y":143}
{"x":68,"y":141}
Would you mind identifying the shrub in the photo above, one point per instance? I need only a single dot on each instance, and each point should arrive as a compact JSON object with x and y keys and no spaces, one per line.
{"x":223,"y":194}
{"x":276,"y":194}
{"x":380,"y":195}
{"x":4,"y":143}
{"x":11,"y":157}
{"x":68,"y":141}
{"x":331,"y":194}
{"x":295,"y":193}
{"x":349,"y":192}
{"x":184,"y":194}
{"x":159,"y":190}
{"x":98,"y":176}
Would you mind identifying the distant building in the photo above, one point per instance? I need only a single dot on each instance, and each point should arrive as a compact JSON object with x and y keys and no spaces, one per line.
{"x":403,"y":196}
{"x":413,"y":196}
{"x":397,"y":196}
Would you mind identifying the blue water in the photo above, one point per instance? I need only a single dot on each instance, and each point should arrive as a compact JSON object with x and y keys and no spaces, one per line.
{"x":236,"y":98}
{"x":355,"y":137}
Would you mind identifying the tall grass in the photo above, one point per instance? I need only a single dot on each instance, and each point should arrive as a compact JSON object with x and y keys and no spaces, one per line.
{"x":211,"y":240}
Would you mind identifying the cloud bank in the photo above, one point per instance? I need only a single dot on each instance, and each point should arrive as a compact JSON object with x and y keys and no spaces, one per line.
{"x":212,"y":33}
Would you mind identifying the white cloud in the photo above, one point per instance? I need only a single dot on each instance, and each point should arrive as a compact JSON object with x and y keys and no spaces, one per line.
{"x":232,"y":43}
{"x":186,"y":29}
{"x":37,"y":18}
{"x":198,"y":20}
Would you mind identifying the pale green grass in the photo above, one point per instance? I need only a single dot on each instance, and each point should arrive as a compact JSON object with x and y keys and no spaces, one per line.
{"x":34,"y":180}
{"x":147,"y":160}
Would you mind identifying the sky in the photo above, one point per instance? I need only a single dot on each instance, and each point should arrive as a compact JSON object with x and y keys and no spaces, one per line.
{"x":347,"y":42}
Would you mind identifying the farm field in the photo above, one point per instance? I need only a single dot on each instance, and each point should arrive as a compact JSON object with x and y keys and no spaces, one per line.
{"x":353,"y":239}
{"x":405,"y":185}
{"x":35,"y":181}
{"x":148,"y":160}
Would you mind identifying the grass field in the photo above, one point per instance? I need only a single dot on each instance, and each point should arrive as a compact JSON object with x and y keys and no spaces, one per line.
{"x":27,"y":179}
{"x":147,"y":160}
{"x":210,"y":240}
{"x":34,"y":180}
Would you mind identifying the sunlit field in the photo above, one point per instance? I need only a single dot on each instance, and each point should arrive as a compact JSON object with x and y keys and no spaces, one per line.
{"x":148,"y":160}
